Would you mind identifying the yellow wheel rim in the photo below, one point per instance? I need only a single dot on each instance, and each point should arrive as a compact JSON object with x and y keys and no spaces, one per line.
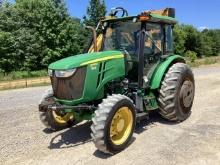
{"x":62,"y":119}
{"x":121,"y":126}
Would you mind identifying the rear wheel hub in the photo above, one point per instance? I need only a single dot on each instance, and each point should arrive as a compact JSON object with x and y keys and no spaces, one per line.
{"x":187,"y":93}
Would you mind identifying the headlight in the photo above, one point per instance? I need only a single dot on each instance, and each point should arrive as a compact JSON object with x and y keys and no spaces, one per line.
{"x":50,"y":72}
{"x":65,"y":73}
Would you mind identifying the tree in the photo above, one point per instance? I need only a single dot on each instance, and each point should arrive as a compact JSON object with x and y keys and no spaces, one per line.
{"x":188,"y":38}
{"x":37,"y":32}
{"x":192,"y":56}
{"x":179,"y":40}
{"x":211,"y":40}
{"x":206,"y":46}
{"x":58,"y":2}
{"x":193,"y":40}
{"x":95,"y":11}
{"x":7,"y":58}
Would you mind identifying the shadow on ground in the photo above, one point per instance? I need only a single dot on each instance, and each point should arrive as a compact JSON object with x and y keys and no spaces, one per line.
{"x":154,"y":118}
{"x":74,"y":136}
{"x":102,"y":155}
{"x":80,"y":134}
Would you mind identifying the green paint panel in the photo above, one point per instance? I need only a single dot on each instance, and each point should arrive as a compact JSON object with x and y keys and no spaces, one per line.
{"x":161,"y":70}
{"x":165,"y":19}
{"x":151,"y":101}
{"x":98,"y":74}
{"x":77,"y":60}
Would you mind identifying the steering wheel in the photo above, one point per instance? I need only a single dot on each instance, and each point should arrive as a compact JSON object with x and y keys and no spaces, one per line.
{"x":117,"y":9}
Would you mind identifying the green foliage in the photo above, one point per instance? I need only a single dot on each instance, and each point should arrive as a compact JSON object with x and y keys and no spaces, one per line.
{"x":191,"y":55}
{"x":22,"y":74}
{"x":95,"y":11}
{"x":34,"y":33}
{"x":179,"y":40}
{"x":211,"y":42}
{"x":204,"y":61}
{"x":209,"y":61}
{"x":188,"y":38}
{"x":191,"y":40}
{"x":7,"y":57}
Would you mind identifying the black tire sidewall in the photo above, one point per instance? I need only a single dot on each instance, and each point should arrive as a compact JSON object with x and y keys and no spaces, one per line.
{"x":112,"y":147}
{"x":186,"y":74}
{"x":52,"y":123}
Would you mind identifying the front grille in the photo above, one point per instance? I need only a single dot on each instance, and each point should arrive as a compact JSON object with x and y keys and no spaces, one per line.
{"x":70,"y":88}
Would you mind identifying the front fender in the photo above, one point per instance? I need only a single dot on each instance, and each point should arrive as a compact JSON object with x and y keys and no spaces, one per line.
{"x":162,"y":68}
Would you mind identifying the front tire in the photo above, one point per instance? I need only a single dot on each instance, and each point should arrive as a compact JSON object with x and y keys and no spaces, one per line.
{"x":52,"y":119}
{"x":176,"y":94}
{"x":113,"y":124}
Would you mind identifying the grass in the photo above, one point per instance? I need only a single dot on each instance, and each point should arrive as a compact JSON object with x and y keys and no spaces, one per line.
{"x":24,"y":83}
{"x":22,"y":75}
{"x":204,"y":61}
{"x":21,"y":87}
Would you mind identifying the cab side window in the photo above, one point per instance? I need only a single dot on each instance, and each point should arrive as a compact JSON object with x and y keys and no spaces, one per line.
{"x":153,"y":42}
{"x":168,"y":39}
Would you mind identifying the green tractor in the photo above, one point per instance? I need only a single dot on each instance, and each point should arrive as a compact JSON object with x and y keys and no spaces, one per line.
{"x":128,"y":71}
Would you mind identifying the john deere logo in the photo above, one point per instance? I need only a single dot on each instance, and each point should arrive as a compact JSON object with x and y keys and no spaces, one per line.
{"x":93,"y":66}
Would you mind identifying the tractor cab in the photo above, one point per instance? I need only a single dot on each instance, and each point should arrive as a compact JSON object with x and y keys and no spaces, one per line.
{"x":143,"y":39}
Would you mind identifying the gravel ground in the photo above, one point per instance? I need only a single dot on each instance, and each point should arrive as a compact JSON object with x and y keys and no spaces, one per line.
{"x":24,"y":140}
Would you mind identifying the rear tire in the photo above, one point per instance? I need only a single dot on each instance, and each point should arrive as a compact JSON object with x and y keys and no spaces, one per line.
{"x":113,"y":124}
{"x":51,"y":119}
{"x":176,"y":94}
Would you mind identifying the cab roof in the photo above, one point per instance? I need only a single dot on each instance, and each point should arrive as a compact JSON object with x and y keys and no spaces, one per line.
{"x":153,"y":18}
{"x":166,"y":15}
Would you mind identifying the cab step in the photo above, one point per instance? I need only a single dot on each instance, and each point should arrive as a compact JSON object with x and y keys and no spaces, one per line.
{"x":142,"y":116}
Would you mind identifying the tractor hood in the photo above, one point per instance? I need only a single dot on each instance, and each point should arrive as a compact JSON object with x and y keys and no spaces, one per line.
{"x":84,"y":59}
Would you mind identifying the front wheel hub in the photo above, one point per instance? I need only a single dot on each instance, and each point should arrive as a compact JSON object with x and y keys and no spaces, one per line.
{"x":121,"y":126}
{"x":59,"y":118}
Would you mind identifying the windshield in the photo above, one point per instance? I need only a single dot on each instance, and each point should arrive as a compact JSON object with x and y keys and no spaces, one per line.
{"x":122,"y":36}
{"x":153,"y":39}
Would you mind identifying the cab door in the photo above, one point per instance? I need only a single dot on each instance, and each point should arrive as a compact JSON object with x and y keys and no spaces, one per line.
{"x":152,"y":50}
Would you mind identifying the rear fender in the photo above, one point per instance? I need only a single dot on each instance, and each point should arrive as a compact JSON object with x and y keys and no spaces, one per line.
{"x":162,"y":68}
